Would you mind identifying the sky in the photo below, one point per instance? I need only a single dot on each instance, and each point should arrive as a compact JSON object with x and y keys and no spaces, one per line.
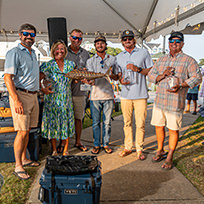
{"x":193,"y":45}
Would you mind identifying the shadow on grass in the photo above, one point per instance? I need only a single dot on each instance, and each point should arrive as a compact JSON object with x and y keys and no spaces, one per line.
{"x":189,"y":157}
{"x":193,"y":136}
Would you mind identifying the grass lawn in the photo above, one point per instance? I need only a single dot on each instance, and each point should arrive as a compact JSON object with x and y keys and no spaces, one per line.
{"x":189,"y":156}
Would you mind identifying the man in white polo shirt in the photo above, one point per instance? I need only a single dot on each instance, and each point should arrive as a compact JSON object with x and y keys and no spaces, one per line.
{"x":133,"y":64}
{"x":102,"y":95}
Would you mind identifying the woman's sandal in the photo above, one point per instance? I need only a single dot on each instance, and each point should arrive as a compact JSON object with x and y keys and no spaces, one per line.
{"x":95,"y":150}
{"x":125,"y":152}
{"x":159,"y":157}
{"x":60,"y":148}
{"x":65,"y":153}
{"x":54,"y":153}
{"x":107,"y":150}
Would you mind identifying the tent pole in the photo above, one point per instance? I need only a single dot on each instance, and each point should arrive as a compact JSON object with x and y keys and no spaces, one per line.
{"x":164,"y":43}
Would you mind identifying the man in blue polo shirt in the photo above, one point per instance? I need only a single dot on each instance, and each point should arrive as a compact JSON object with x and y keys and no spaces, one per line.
{"x":22,"y":80}
{"x":133,"y":64}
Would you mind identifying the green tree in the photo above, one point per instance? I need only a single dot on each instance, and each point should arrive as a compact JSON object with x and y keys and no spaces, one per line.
{"x":201,"y":63}
{"x":113,"y":51}
{"x":110,"y":51}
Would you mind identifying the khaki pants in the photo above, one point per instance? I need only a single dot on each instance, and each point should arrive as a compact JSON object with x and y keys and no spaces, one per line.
{"x":140,"y":109}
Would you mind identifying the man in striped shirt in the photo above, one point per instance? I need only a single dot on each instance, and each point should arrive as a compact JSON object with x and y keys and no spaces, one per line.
{"x":183,"y":71}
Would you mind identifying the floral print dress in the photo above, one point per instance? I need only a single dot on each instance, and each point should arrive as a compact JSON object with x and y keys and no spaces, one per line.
{"x":58,"y":115}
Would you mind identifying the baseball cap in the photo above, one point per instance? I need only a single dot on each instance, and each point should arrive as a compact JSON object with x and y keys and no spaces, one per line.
{"x":127,"y":33}
{"x":100,"y":38}
{"x":177,"y":35}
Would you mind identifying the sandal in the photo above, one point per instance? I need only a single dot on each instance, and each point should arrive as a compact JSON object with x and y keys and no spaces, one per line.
{"x":60,"y":148}
{"x":81,"y":147}
{"x":167,"y":165}
{"x":65,"y":154}
{"x":125,"y":152}
{"x":54,"y":153}
{"x":141,"y":156}
{"x":18,"y":173}
{"x":107,"y":150}
{"x":32,"y":164}
{"x":95,"y":150}
{"x":159,"y":157}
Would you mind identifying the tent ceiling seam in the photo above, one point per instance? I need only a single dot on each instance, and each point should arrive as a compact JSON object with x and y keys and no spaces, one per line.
{"x":181,"y":17}
{"x":122,"y":17}
{"x":150,"y":14}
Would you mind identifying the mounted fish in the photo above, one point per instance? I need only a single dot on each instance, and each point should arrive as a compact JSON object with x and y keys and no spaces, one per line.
{"x":82,"y":74}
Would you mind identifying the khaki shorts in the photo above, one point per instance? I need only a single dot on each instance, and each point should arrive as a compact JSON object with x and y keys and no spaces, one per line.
{"x":31,"y":111}
{"x":79,"y":106}
{"x":172,"y":120}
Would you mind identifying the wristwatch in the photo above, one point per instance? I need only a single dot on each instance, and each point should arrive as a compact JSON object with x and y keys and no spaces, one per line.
{"x":140,"y":69}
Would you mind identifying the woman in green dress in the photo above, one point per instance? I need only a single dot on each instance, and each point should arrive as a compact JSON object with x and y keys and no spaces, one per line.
{"x":58,"y":116}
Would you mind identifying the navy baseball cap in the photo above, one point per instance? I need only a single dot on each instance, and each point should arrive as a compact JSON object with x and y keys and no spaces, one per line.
{"x":127,"y":33}
{"x":177,"y":35}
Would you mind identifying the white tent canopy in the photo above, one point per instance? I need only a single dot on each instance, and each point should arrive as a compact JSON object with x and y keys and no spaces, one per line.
{"x":147,"y":18}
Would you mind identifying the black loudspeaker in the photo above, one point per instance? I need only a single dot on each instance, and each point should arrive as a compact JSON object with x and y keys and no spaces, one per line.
{"x":57,"y":30}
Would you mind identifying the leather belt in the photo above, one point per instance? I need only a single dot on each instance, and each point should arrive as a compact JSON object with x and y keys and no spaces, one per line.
{"x":24,"y":90}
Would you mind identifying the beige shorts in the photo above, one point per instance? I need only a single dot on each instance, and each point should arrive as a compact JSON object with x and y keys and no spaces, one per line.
{"x":79,"y":106}
{"x":172,"y":120}
{"x":31,"y":111}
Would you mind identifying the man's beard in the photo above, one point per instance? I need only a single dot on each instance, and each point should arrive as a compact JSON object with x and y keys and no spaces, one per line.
{"x":28,"y":43}
{"x":101,"y":51}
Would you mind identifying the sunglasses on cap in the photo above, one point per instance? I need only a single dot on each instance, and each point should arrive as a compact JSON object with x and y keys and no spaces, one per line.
{"x":59,"y":41}
{"x":127,"y":38}
{"x":76,"y":38}
{"x":175,"y":40}
{"x":27,"y":34}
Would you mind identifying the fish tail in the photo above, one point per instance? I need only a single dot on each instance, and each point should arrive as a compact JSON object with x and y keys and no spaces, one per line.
{"x":108,"y":71}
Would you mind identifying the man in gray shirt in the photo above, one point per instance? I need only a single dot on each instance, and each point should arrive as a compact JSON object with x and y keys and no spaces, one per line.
{"x":79,"y":55}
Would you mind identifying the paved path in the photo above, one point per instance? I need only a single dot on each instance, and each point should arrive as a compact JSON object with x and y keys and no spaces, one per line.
{"x":130,"y":181}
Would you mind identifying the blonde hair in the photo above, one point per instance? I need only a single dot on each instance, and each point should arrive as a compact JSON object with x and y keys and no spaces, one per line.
{"x":54,"y":46}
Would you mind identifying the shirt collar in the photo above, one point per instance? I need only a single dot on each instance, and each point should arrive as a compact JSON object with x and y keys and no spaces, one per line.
{"x":176,"y":55}
{"x":136,"y":49}
{"x":70,"y":50}
{"x":24,"y":48}
{"x":106,"y":56}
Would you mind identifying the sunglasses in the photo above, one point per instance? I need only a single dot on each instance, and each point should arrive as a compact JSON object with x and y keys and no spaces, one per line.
{"x":27,"y":34}
{"x":76,"y":38}
{"x":127,"y":38}
{"x":175,"y":40}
